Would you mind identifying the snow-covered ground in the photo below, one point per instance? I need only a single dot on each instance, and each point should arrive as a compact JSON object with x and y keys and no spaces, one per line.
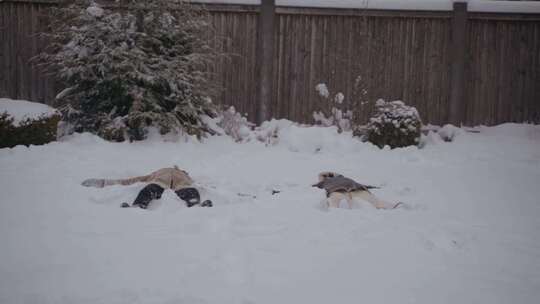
{"x":469,"y":232}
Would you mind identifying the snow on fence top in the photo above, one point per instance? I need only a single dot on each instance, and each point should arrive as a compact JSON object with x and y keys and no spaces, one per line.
{"x":492,"y":6}
{"x":504,"y":6}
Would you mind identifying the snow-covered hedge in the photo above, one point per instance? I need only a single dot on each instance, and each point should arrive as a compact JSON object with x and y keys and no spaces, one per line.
{"x":26,"y":123}
{"x":394,"y":124}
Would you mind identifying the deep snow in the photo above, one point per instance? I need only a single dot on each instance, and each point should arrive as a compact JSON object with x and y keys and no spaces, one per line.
{"x":469,"y":232}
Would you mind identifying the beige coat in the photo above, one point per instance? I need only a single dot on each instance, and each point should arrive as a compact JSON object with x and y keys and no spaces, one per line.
{"x":168,"y":178}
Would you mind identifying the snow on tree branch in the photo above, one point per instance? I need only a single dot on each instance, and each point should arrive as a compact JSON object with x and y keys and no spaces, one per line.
{"x":144,"y":63}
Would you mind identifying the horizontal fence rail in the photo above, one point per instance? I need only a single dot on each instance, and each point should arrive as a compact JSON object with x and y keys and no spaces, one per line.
{"x":454,"y":66}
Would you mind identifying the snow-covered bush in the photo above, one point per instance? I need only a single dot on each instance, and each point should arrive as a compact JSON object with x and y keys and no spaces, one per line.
{"x":342,"y":119}
{"x":29,"y":131}
{"x":26,"y":123}
{"x":234,"y":124}
{"x":394,"y":124}
{"x":231,"y":123}
{"x":302,"y":138}
{"x":268,"y":132}
{"x":129,"y":68}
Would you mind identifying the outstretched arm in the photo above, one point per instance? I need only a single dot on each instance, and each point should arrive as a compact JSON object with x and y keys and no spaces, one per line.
{"x":100,"y":183}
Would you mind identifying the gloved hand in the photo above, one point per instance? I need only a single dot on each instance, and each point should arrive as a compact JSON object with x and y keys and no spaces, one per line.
{"x":94,"y":182}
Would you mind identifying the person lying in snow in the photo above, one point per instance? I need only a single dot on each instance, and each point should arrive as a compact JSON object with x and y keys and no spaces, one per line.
{"x":339,"y":187}
{"x":167,"y":178}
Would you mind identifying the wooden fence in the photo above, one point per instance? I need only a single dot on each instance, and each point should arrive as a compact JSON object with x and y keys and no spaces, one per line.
{"x":456,"y":66}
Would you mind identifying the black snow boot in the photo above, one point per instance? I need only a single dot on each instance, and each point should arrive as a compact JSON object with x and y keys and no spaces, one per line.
{"x":207,"y":203}
{"x":147,"y":194}
{"x":190,"y":195}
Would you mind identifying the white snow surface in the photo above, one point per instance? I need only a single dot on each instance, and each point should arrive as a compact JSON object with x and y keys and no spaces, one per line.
{"x":493,"y":6}
{"x":504,"y":6}
{"x":20,"y":110}
{"x":468,"y":232}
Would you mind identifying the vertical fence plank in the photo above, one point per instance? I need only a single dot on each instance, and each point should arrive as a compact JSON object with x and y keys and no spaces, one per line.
{"x":458,"y":53}
{"x":3,"y":52}
{"x":265,"y":63}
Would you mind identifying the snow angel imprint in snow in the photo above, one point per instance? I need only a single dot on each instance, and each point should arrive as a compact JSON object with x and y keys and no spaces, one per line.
{"x":167,"y":178}
{"x":339,"y":188}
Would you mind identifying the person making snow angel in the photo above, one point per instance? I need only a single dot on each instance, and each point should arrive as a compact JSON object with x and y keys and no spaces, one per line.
{"x":340,"y":188}
{"x":167,"y":178}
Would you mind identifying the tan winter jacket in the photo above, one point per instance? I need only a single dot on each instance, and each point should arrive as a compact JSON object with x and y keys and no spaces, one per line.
{"x":168,"y":178}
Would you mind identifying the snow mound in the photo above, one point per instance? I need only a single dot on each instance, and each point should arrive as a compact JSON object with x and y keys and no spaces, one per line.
{"x":448,"y":132}
{"x":231,"y":123}
{"x":512,"y":130}
{"x":21,"y":110}
{"x":284,"y":133}
{"x":301,"y":138}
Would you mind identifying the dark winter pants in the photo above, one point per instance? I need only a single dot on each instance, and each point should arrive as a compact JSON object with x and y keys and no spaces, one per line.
{"x":153,"y":191}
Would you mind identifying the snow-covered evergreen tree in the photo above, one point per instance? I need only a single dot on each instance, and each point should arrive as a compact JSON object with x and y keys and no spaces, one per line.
{"x":131,"y":65}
